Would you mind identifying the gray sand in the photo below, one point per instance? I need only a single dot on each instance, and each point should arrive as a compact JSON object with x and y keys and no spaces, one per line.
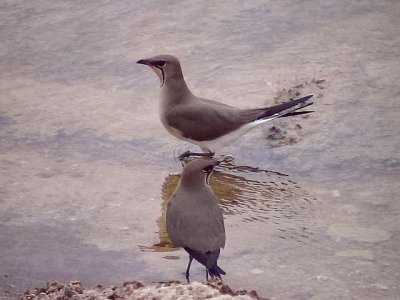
{"x":86,"y":166}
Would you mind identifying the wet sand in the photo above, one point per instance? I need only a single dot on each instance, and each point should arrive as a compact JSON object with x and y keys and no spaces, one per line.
{"x":311,"y":203}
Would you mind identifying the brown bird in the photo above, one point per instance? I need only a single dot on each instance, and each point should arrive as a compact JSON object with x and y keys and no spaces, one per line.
{"x":194,"y":218}
{"x":209,"y":124}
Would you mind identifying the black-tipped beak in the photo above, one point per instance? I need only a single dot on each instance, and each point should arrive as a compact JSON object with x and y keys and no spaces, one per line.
{"x":143,"y":61}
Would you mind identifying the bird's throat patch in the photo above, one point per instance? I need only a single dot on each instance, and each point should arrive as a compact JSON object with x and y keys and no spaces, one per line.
{"x":208,"y":178}
{"x":160,"y":74}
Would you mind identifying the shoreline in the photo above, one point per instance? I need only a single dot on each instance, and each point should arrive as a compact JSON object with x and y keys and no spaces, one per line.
{"x":137,"y":290}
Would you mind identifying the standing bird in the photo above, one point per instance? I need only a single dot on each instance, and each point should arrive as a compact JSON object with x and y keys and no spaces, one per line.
{"x":207,"y":123}
{"x":194,"y":218}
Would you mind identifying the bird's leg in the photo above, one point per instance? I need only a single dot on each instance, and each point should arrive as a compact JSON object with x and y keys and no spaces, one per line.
{"x":188,"y":269}
{"x":207,"y":274}
{"x":188,"y":154}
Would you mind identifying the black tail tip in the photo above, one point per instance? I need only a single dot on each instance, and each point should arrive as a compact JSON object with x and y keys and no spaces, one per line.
{"x":306,"y":97}
{"x":216,"y":272}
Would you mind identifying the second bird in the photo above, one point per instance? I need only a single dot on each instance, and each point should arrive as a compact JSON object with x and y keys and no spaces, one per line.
{"x":194,"y":218}
{"x":209,"y":124}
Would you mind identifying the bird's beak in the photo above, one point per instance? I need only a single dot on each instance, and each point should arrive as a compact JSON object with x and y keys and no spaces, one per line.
{"x":143,"y":62}
{"x":152,"y":64}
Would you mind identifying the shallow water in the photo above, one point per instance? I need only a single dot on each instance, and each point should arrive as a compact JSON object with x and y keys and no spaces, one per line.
{"x":310,"y":203}
{"x":249,"y":195}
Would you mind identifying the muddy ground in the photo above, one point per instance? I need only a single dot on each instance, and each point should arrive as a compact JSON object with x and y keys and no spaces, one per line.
{"x":311,"y":203}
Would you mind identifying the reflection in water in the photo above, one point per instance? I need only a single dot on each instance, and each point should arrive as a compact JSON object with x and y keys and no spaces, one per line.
{"x":253,"y":195}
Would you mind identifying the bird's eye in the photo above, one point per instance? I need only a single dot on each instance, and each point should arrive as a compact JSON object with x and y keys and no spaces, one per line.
{"x":161,"y":64}
{"x":208,"y":169}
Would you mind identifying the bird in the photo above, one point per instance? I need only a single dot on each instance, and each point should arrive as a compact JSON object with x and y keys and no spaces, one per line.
{"x":207,"y":123}
{"x":194,"y":219}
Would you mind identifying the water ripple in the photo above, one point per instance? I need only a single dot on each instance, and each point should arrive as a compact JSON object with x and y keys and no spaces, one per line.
{"x":250,"y":195}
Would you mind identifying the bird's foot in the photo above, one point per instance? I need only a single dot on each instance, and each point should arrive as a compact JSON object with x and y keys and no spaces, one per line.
{"x":215,"y":281}
{"x":188,"y":154}
{"x":184,"y":155}
{"x":187,"y":277}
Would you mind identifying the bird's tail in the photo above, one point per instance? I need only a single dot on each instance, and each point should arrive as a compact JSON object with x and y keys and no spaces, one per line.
{"x":216,"y":271}
{"x":209,"y":260}
{"x":286,"y":109}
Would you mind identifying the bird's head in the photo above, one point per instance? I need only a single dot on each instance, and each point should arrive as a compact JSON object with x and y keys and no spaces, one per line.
{"x":166,"y":67}
{"x":198,"y":171}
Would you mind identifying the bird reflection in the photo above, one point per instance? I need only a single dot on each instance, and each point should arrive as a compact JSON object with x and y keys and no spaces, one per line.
{"x":253,"y":195}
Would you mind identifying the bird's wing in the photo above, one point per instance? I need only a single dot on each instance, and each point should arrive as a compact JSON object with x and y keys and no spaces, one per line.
{"x":204,"y":120}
